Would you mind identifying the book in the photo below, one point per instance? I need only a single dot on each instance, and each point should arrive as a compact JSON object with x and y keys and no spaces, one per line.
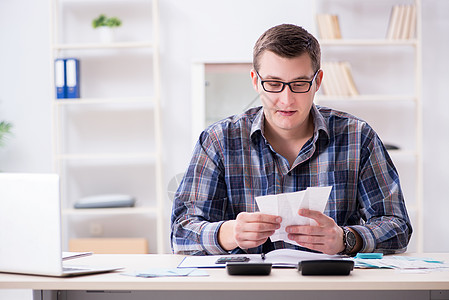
{"x":286,"y":258}
{"x":60,"y":80}
{"x":349,"y":80}
{"x":402,"y":23}
{"x":338,"y":79}
{"x":72,"y":69}
{"x":328,"y":26}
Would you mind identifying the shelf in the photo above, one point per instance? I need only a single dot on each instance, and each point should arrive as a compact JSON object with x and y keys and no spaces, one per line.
{"x":90,"y":46}
{"x":366,"y":98}
{"x":124,"y":100}
{"x":121,"y":80}
{"x":108,"y":156}
{"x":368,"y":42}
{"x":110,"y":211}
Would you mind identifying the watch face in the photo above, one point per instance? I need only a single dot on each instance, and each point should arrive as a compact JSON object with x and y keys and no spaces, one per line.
{"x":350,"y":239}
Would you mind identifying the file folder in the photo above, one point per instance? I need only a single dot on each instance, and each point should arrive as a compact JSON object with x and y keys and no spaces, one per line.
{"x":72,"y":68}
{"x":60,"y":80}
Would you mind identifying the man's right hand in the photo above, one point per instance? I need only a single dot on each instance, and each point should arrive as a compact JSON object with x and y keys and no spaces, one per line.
{"x":248,"y":230}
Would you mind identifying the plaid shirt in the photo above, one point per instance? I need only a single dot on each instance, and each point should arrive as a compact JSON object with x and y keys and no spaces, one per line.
{"x":233,"y":163}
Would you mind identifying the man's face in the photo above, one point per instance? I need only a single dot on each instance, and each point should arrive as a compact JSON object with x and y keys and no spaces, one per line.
{"x":286,"y":112}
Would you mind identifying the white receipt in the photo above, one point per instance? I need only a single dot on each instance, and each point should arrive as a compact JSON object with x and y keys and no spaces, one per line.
{"x":287,"y":205}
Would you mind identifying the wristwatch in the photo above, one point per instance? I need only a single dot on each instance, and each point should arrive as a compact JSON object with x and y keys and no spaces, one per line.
{"x":349,"y":240}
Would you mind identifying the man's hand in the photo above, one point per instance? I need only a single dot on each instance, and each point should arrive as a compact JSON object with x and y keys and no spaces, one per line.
{"x":248,"y":230}
{"x":326,"y":237}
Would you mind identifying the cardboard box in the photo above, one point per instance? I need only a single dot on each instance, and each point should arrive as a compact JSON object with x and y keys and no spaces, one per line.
{"x":109,"y":245}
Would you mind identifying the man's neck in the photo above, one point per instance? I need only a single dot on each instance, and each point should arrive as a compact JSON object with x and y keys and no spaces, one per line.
{"x":288,"y":143}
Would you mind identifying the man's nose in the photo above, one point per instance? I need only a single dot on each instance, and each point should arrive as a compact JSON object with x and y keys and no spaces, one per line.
{"x":286,"y":96}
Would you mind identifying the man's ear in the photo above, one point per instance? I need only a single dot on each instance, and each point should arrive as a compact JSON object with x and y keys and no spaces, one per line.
{"x":319,"y":79}
{"x":254,"y":80}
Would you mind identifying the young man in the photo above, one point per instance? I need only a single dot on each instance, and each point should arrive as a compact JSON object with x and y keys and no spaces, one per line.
{"x":287,"y":145}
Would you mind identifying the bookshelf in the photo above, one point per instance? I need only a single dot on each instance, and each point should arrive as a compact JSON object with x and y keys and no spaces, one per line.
{"x":389,"y":89}
{"x":109,"y":141}
{"x":395,"y":112}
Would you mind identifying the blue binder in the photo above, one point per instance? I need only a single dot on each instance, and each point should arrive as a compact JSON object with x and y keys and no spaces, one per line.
{"x":72,"y":70}
{"x":60,"y":79}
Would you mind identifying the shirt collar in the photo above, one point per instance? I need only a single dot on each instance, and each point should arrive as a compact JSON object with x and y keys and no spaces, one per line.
{"x":319,"y":123}
{"x":258,"y":122}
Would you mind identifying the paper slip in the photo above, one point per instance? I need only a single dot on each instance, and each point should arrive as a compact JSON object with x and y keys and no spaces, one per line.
{"x":287,"y":205}
{"x":72,"y":255}
{"x":167,"y":272}
{"x":402,"y":263}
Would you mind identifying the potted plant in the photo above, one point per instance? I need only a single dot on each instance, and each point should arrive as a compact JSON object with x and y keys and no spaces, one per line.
{"x":5,"y":131}
{"x":106,"y":25}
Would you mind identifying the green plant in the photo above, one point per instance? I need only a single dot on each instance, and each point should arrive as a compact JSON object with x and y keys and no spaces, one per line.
{"x":5,"y":131}
{"x":102,"y":20}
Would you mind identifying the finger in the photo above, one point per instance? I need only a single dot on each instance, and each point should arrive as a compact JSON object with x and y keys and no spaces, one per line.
{"x":253,"y":236}
{"x":258,"y":217}
{"x":259,"y":227}
{"x":305,"y":230}
{"x":319,"y":217}
{"x":306,"y":239}
{"x":251,"y":244}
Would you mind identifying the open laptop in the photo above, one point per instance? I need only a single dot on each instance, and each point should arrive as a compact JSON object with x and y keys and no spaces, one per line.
{"x":30,"y":226}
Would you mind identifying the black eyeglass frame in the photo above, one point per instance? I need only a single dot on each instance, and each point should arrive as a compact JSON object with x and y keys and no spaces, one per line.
{"x":310,"y":82}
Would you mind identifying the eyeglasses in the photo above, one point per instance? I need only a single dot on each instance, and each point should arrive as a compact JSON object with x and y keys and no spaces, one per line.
{"x":297,"y":86}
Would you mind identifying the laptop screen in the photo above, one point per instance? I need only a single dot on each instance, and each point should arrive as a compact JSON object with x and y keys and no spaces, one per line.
{"x":30,"y":224}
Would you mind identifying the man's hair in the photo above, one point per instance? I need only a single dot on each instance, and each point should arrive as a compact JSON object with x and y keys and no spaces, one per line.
{"x":288,"y":41}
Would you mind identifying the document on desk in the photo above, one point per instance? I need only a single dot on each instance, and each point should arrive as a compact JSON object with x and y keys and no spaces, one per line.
{"x":167,"y":272}
{"x":72,"y":255}
{"x":286,"y":258}
{"x":287,"y":205}
{"x":401,"y":263}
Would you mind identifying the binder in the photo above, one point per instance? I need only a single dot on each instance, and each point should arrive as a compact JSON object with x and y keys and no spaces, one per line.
{"x":60,"y":80}
{"x":72,"y":68}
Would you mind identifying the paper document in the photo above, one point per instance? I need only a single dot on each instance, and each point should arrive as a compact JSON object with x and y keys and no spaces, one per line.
{"x":287,"y":205}
{"x":287,"y":258}
{"x":72,"y":255}
{"x":167,"y":272}
{"x":402,"y":263}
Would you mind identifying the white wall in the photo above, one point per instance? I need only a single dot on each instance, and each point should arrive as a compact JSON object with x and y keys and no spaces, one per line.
{"x":202,"y":30}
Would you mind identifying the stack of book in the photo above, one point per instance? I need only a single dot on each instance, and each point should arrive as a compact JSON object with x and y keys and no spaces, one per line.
{"x":328,"y":26}
{"x":402,"y":24}
{"x":338,"y":80}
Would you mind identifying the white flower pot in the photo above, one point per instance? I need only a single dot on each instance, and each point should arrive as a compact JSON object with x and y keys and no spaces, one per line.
{"x":107,"y":34}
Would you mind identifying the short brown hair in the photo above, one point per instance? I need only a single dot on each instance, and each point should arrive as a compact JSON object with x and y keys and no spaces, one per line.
{"x":287,"y":41}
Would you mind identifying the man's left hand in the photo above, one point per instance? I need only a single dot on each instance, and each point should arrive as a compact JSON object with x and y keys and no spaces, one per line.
{"x":326,"y":237}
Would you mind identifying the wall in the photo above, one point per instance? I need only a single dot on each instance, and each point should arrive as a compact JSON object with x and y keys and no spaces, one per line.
{"x":191,"y":31}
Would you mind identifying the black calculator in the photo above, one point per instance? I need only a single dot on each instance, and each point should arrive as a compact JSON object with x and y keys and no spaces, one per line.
{"x":234,"y":259}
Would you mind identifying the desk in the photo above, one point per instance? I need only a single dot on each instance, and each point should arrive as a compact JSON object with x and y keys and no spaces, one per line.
{"x":281,"y":284}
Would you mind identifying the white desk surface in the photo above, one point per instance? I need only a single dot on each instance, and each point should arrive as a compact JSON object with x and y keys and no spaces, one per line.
{"x":279,"y":279}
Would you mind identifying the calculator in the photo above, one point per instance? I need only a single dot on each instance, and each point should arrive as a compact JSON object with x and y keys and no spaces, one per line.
{"x":236,"y":259}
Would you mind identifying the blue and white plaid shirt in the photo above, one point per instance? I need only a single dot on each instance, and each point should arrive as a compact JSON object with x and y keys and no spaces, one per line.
{"x":233,"y":163}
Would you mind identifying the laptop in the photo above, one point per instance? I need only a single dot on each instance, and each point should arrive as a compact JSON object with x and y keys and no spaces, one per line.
{"x":30,"y":227}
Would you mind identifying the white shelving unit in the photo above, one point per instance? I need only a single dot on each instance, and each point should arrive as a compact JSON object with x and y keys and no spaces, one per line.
{"x":109,"y":141}
{"x":211,"y":93}
{"x":408,"y":159}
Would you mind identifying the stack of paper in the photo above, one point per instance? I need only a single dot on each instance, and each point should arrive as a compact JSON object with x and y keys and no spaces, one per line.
{"x":287,"y":205}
